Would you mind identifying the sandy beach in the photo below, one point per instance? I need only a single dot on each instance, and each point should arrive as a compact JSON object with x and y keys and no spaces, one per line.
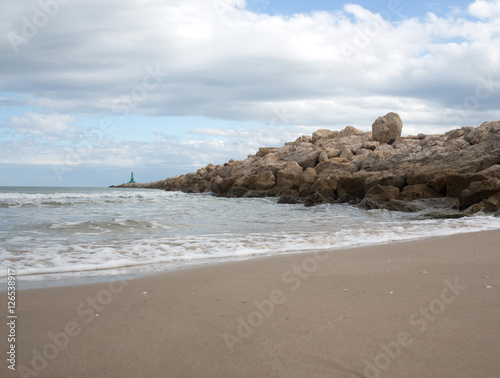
{"x":427,"y":308}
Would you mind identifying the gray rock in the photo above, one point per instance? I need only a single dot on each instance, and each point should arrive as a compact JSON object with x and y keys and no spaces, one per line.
{"x":458,"y":169}
{"x":387,"y":129}
{"x":478,"y":191}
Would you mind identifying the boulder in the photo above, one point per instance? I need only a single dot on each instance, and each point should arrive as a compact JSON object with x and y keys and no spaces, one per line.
{"x":288,"y":176}
{"x":305,"y":190}
{"x":351,"y":186}
{"x":391,"y":205}
{"x":383,"y":193}
{"x":456,"y":183}
{"x":438,"y":184}
{"x":263,"y":151}
{"x":478,"y":191}
{"x":441,"y":215}
{"x":387,"y":129}
{"x":308,"y":177}
{"x":325,"y":186}
{"x":220,"y":185}
{"x":323,"y":156}
{"x":371,"y":145}
{"x":290,"y":200}
{"x":315,"y":199}
{"x":396,"y":179}
{"x":349,"y":131}
{"x":487,"y":132}
{"x":412,"y":192}
{"x":406,"y":207}
{"x":262,"y":180}
{"x":459,"y":169}
{"x":304,"y":156}
{"x":236,"y":192}
{"x":324,"y":134}
{"x":490,"y":205}
{"x":370,"y":204}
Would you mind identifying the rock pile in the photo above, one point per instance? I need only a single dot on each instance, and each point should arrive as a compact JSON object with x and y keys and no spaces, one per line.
{"x":378,"y":169}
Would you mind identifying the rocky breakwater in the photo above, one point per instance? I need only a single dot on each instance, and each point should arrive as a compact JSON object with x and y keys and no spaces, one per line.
{"x":378,"y":169}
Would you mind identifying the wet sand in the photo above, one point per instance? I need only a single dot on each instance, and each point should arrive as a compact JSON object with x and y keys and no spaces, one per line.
{"x":428,"y":308}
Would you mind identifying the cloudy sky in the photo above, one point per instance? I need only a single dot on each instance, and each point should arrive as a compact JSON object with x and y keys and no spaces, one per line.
{"x":91,"y":90}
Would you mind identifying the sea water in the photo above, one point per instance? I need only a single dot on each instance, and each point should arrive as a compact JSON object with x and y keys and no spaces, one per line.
{"x":56,"y":234}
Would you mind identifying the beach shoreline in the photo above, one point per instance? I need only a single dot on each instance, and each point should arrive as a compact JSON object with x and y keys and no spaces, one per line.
{"x":416,"y":308}
{"x":62,"y":279}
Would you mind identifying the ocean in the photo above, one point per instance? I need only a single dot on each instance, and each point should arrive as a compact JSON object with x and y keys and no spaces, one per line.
{"x":54,"y":236}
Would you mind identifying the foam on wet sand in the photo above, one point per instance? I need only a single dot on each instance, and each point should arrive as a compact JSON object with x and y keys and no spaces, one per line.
{"x":415,"y":309}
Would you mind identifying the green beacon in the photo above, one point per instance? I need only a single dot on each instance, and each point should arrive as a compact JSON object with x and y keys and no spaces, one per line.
{"x":132,"y":181}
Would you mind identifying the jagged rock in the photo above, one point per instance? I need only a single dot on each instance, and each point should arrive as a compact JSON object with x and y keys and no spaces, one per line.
{"x":438,"y":184}
{"x":487,"y":132}
{"x":490,"y":205}
{"x":441,"y":215}
{"x":263,"y":151}
{"x":478,"y":191}
{"x":486,"y":160}
{"x":387,"y":129}
{"x":308,"y":177}
{"x":342,"y":165}
{"x":220,"y":185}
{"x":305,"y":157}
{"x":315,"y":199}
{"x":355,"y":166}
{"x":236,"y":192}
{"x":302,"y":139}
{"x":391,"y":205}
{"x":432,"y":141}
{"x":333,"y":153}
{"x":398,"y":205}
{"x":439,"y":204}
{"x":370,"y":204}
{"x":454,"y":134}
{"x":288,"y":176}
{"x":324,"y":134}
{"x":349,"y":131}
{"x":325,"y":186}
{"x":396,"y":179}
{"x":383,"y":193}
{"x":456,"y":183}
{"x":261,"y":181}
{"x":412,"y":192}
{"x":346,"y":154}
{"x":290,"y":200}
{"x":371,"y":145}
{"x":305,"y":190}
{"x":351,"y":186}
{"x":256,"y":194}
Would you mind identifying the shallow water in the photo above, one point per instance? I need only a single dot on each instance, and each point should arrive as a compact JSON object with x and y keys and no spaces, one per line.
{"x":76,"y":233}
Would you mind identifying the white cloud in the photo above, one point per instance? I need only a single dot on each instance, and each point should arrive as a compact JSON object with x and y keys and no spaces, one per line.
{"x":220,"y":60}
{"x":216,"y":59}
{"x":41,"y":124}
{"x":485,"y":10}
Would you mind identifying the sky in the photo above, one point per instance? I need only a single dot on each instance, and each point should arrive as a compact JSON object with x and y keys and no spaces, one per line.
{"x":92,"y":90}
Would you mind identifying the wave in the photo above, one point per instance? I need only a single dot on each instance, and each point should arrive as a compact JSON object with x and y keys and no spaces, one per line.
{"x":167,"y":253}
{"x":13,"y":199}
{"x":119,"y":225}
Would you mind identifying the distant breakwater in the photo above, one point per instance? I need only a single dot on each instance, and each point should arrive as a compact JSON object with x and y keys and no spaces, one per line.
{"x":458,"y":170}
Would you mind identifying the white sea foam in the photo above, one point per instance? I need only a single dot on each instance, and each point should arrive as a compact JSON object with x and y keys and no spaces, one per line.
{"x":144,"y":230}
{"x":93,"y":258}
{"x":63,"y":198}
